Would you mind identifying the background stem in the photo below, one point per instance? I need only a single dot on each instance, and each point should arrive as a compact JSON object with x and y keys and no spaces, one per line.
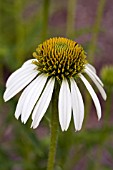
{"x":71,"y":11}
{"x":96,"y":29}
{"x":45,"y":19}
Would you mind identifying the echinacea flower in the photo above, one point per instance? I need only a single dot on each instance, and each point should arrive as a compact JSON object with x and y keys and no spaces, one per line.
{"x":57,"y":59}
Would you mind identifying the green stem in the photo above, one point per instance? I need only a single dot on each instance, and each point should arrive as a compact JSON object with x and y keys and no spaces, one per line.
{"x":20,"y":32}
{"x":71,"y":18}
{"x":45,"y":19}
{"x":96,"y":29}
{"x":54,"y":132}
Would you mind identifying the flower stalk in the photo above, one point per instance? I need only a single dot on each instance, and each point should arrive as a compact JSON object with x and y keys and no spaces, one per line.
{"x":54,"y":131}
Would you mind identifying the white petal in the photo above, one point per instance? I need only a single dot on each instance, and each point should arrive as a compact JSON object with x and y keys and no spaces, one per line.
{"x":97,"y":78}
{"x":20,"y":72}
{"x":21,"y":102}
{"x":77,"y":105}
{"x":18,"y":84}
{"x":36,"y":88}
{"x":28,"y":62}
{"x":93,"y":95}
{"x":91,"y":67}
{"x":100,"y":88}
{"x":43,"y":103}
{"x":64,"y":105}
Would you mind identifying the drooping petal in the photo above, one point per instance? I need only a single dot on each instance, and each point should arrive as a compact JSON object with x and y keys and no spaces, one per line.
{"x":36,"y":88}
{"x":19,"y":73}
{"x":93,"y":95}
{"x":43,"y":103}
{"x":91,"y":67}
{"x":93,"y":73}
{"x":77,"y":105}
{"x":64,"y":105}
{"x":100,"y":88}
{"x":19,"y":83}
{"x":21,"y":101}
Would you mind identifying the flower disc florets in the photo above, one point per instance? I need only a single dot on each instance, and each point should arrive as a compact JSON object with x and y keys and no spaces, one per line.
{"x":60,"y":57}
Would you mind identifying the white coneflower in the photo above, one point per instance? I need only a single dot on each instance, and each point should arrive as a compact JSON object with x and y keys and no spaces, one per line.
{"x":57,"y":59}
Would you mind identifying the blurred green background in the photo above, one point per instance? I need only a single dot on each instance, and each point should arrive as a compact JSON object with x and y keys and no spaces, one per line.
{"x":24,"y":25}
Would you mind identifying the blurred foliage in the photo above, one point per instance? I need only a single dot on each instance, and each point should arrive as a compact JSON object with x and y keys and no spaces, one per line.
{"x":23,"y":25}
{"x":107,"y":77}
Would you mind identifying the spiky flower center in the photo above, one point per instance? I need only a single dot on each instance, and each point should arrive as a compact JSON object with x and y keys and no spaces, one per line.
{"x":60,"y":57}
